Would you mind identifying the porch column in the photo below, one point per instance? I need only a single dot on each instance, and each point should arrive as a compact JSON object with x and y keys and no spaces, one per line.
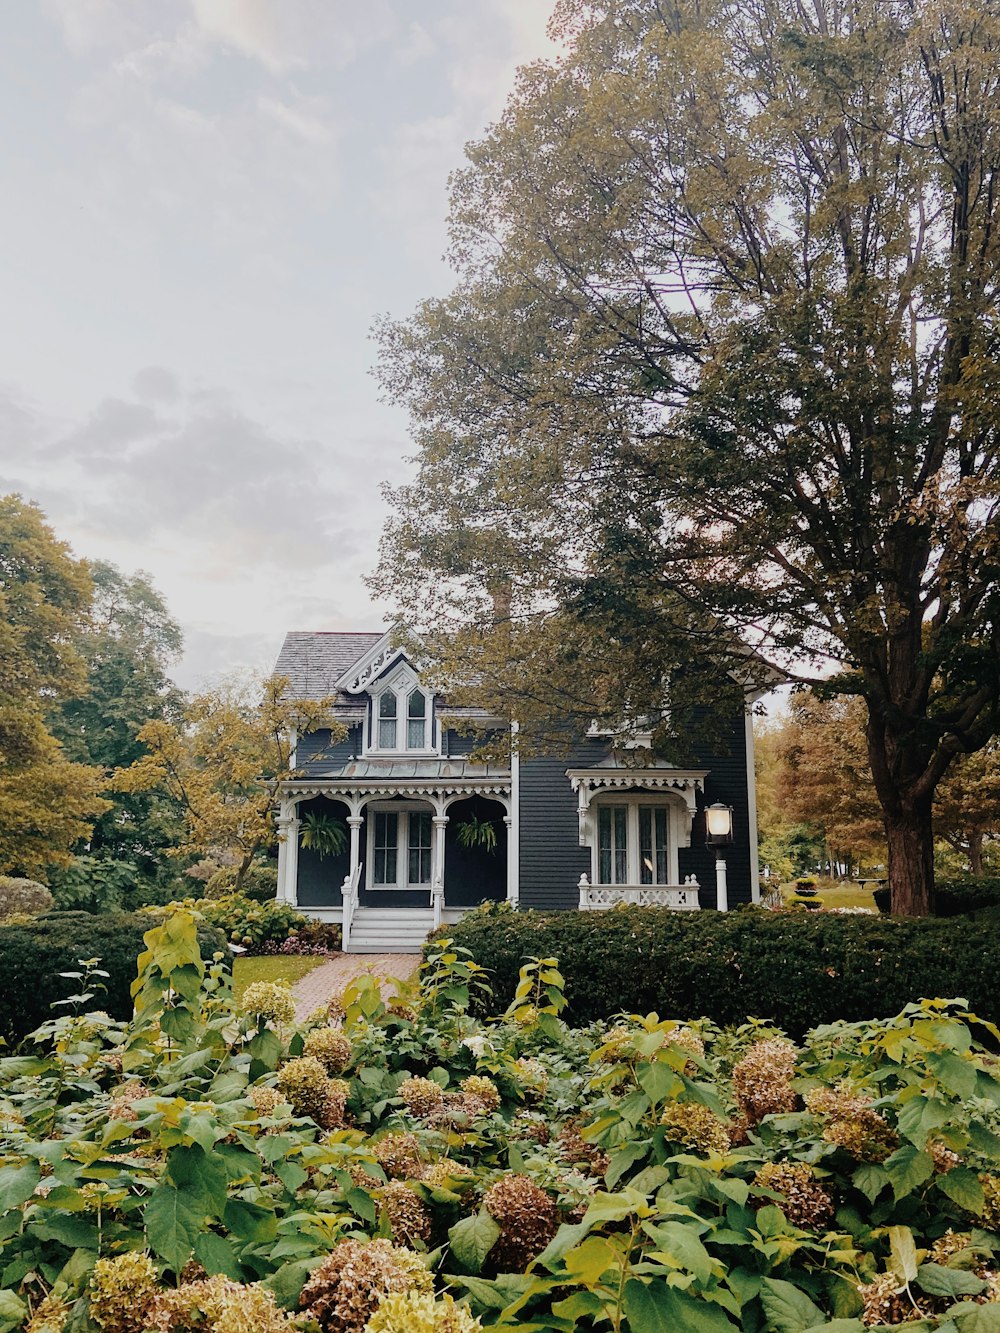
{"x":440,"y":823}
{"x":288,"y":853}
{"x":355,"y":823}
{"x":511,"y":860}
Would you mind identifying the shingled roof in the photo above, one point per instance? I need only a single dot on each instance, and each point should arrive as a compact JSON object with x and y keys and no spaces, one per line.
{"x":314,"y":660}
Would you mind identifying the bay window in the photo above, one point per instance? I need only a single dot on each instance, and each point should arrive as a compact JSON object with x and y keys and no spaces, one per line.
{"x":634,"y":843}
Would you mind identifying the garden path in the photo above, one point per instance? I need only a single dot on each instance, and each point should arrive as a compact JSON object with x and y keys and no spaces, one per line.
{"x":317,"y":986}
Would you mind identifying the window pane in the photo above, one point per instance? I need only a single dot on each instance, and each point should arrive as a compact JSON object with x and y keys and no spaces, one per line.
{"x":646,"y":856}
{"x":420,"y":848}
{"x":387,"y":705}
{"x":661,"y":845}
{"x":386,"y":836}
{"x":387,"y":734}
{"x":621,"y":845}
{"x":603,"y":845}
{"x":415,"y":733}
{"x":417,"y":705}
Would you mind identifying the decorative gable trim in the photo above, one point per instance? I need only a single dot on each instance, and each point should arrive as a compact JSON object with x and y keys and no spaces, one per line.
{"x":688,"y":782}
{"x":366,"y":669}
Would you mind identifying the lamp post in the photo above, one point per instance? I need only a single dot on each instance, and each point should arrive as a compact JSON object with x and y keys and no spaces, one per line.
{"x":719,"y":834}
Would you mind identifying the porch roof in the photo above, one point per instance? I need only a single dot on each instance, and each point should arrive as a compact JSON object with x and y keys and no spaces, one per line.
{"x":404,"y":777}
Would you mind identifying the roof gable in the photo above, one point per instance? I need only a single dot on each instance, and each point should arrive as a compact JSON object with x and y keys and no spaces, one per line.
{"x":313,"y":661}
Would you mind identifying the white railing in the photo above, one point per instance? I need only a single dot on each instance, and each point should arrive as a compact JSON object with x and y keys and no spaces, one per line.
{"x":680,"y":897}
{"x":437,"y":902}
{"x":349,"y":894}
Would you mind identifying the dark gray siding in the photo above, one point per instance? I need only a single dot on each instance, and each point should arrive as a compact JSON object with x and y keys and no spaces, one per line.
{"x":457,"y":745}
{"x":552,"y":860}
{"x":315,"y":754}
{"x":320,"y":878}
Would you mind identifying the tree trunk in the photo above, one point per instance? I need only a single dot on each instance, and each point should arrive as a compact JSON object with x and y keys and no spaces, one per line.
{"x":910,"y":837}
{"x":975,"y":853}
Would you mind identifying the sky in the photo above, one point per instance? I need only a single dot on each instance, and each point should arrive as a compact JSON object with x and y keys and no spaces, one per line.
{"x":207,"y":203}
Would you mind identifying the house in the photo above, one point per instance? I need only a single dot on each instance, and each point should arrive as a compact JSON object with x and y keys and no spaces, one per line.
{"x":428,"y":830}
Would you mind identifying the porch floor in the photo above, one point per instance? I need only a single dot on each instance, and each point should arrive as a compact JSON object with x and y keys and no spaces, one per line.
{"x":317,"y":986}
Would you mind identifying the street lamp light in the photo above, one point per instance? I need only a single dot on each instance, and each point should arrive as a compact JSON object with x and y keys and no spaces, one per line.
{"x":719,"y":834}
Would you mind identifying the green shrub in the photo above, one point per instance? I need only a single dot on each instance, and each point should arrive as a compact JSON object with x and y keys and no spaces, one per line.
{"x":250,"y":924}
{"x":798,"y":969}
{"x":259,"y":883}
{"x":959,"y":897}
{"x":22,"y":897}
{"x":33,"y":954}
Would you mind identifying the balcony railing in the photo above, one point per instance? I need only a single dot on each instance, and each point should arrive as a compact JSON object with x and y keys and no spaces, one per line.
{"x":599,"y":897}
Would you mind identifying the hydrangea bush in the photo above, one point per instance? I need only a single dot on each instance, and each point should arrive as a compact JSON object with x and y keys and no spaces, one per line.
{"x":397,"y":1164}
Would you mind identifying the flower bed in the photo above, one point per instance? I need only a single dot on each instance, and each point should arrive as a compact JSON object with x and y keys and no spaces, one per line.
{"x":396,"y":1164}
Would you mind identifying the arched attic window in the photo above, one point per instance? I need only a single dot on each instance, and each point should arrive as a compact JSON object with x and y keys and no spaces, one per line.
{"x":416,"y":721}
{"x":387,"y":721}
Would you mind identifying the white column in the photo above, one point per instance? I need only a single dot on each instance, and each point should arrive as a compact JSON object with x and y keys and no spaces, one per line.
{"x":354,"y":823}
{"x":440,"y":823}
{"x":288,"y":853}
{"x":752,"y":810}
{"x":721,"y":889}
{"x":511,"y":860}
{"x":514,"y":827}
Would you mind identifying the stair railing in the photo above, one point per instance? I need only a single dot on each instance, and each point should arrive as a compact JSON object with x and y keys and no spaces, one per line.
{"x":349,"y":895}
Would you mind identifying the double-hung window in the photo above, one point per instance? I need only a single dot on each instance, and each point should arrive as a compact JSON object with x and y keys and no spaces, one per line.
{"x":633,"y":843}
{"x":401,"y":849}
{"x":401,"y":721}
{"x":387,"y":721}
{"x":416,"y":721}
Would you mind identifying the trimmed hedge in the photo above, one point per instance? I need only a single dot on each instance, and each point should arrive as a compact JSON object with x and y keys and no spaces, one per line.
{"x":797,"y":969}
{"x":33,"y":954}
{"x":956,"y":897}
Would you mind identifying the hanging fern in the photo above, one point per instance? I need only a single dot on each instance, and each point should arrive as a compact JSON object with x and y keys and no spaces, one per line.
{"x":323,"y":834}
{"x":473,"y":832}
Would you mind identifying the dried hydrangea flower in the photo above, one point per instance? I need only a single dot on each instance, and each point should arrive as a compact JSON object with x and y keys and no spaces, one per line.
{"x":948,"y":1245}
{"x":409,"y":1217}
{"x":400,"y":1009}
{"x":121,"y":1290}
{"x":532,"y":1077}
{"x":990,"y":1216}
{"x":120,"y":1106}
{"x":270,"y":1001}
{"x":480,"y":1094}
{"x":529,"y":1125}
{"x":336,"y":1009}
{"x":344,"y":1291}
{"x":398,"y":1155}
{"x":851,"y":1123}
{"x":445,"y":1174}
{"x":265,"y":1100}
{"x":806,"y":1203}
{"x":762,"y":1079}
{"x":578,"y":1150}
{"x":221,"y":1305}
{"x":686,"y":1039}
{"x":886,"y":1302}
{"x":943,"y":1157}
{"x":333,"y":1113}
{"x":694,"y":1126}
{"x":330,"y":1047}
{"x":419,"y":1312}
{"x":49,"y":1315}
{"x":422,"y":1096}
{"x":304,"y":1083}
{"x":527,"y":1218}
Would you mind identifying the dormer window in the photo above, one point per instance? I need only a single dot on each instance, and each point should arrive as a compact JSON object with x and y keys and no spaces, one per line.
{"x":401,"y":716}
{"x":416,"y":721}
{"x":387,"y":721}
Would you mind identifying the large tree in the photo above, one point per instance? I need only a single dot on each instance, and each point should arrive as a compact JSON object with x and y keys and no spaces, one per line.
{"x":721,"y":368}
{"x":47,"y":802}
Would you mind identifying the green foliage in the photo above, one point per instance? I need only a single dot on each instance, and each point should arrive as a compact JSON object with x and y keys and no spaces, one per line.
{"x":963,"y":895}
{"x":35,"y":956}
{"x":475,"y":832}
{"x":22,"y":896}
{"x":797,"y":969}
{"x":246,"y":922}
{"x":323,"y":834}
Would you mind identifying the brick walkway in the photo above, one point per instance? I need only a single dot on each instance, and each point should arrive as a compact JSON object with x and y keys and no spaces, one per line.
{"x":317,"y":986}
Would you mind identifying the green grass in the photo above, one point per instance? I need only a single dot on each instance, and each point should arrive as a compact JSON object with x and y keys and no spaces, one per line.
{"x":844,"y":894}
{"x":273,"y":967}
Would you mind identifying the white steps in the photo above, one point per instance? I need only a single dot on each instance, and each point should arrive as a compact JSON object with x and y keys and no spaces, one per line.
{"x":390,"y":929}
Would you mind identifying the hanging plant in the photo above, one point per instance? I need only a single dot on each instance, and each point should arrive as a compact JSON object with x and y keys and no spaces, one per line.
{"x":323,"y":834}
{"x":473,"y":832}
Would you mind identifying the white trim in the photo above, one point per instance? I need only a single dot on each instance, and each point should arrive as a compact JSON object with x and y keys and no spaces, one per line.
{"x":402,"y":682}
{"x":288,"y":852}
{"x":752,"y":811}
{"x":678,"y":834}
{"x":293,"y":747}
{"x":513,"y":822}
{"x":362,"y":672}
{"x":404,"y":809}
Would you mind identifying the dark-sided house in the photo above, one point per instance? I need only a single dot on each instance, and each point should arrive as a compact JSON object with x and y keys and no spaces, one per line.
{"x":423,"y":830}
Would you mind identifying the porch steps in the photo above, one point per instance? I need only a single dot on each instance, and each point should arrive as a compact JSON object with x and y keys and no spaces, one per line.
{"x":390,"y":929}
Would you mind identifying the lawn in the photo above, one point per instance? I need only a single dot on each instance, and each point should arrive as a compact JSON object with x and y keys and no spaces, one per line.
{"x":273,"y":967}
{"x":844,"y":894}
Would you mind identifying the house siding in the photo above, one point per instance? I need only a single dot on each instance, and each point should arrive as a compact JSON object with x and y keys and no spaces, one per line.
{"x":726,"y":782}
{"x":315,"y":754}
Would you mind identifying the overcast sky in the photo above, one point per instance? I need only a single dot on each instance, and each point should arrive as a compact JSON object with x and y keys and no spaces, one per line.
{"x":206,"y":204}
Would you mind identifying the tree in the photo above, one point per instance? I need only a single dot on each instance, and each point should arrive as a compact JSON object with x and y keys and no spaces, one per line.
{"x":225,"y":762}
{"x":47,"y":802}
{"x":127,"y":645}
{"x":720,"y":370}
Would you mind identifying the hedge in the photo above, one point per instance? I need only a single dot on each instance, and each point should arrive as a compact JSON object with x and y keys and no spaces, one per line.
{"x":797,"y":969}
{"x":33,"y":954}
{"x":956,"y":897}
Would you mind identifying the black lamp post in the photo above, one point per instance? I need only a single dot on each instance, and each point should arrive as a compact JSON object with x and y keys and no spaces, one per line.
{"x":719,"y":834}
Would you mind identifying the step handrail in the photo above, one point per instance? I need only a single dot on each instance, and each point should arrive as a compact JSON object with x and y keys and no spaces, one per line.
{"x":349,"y":896}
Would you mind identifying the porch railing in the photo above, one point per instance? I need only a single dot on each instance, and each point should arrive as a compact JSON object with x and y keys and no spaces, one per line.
{"x":599,"y":897}
{"x":349,"y":895}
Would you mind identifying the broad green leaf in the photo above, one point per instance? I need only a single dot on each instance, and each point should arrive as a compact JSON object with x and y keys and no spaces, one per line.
{"x":13,"y":1311}
{"x":250,"y":1221}
{"x":361,"y":1202}
{"x":201,"y":1176}
{"x":903,"y":1253}
{"x":581,"y":1306}
{"x":838,"y":1326}
{"x":788,"y":1309}
{"x":658,"y":1081}
{"x":870,"y":1179}
{"x":937,"y":1280}
{"x":216,"y":1255}
{"x":173,"y":1224}
{"x":978,"y":1319}
{"x":907,"y":1169}
{"x":588,"y":1262}
{"x":961,"y":1184}
{"x":663,"y":1309}
{"x":289,"y":1280}
{"x":473,"y":1238}
{"x":568,"y":1235}
{"x":623,"y":1158}
{"x":17,"y":1184}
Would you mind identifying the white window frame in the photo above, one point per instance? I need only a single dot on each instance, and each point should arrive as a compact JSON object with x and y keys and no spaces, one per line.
{"x":403,"y":810}
{"x":402,"y":683}
{"x":631,"y":802}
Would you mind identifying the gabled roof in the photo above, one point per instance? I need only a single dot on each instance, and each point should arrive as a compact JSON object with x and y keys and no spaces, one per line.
{"x":315,"y":660}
